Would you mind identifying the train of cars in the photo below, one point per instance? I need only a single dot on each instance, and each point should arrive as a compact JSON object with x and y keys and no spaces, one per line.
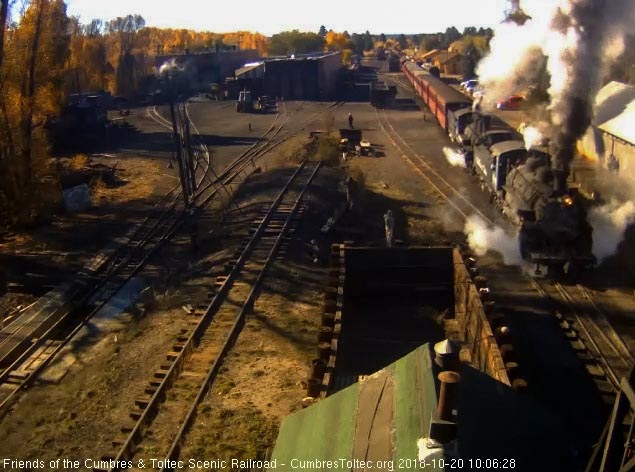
{"x":552,"y":222}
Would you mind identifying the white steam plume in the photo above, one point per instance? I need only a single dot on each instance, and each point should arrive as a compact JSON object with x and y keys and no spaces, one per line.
{"x":170,"y":66}
{"x":578,"y":39}
{"x":483,"y":238}
{"x":532,"y":137}
{"x":455,"y":158}
{"x":609,"y":224}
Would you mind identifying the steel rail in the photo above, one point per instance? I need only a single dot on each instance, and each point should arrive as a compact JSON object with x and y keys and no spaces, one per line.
{"x":238,"y":165}
{"x":433,"y":178}
{"x":117,"y":261}
{"x":168,"y":376}
{"x":428,"y":173}
{"x":175,"y":448}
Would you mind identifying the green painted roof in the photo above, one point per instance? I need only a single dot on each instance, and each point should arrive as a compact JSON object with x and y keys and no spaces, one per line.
{"x":380,"y":418}
{"x":384,"y":415}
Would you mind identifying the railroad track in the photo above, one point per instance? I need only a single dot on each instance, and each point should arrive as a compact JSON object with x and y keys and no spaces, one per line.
{"x":603,"y":352}
{"x":37,"y":340}
{"x":33,"y":343}
{"x":40,"y":336}
{"x":201,"y":153}
{"x":194,"y":360}
{"x":454,"y":197}
{"x":605,"y":355}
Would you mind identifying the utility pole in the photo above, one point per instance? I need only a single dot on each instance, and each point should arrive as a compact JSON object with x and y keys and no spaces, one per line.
{"x":179,"y":155}
{"x":189,"y":150}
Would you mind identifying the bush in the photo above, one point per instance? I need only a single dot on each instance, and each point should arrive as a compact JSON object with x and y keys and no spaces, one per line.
{"x":78,"y":162}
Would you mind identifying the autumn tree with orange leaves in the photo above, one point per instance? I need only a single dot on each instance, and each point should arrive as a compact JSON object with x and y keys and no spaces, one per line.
{"x":337,"y":41}
{"x":44,"y":57}
{"x":340,"y":42}
{"x":34,"y":56}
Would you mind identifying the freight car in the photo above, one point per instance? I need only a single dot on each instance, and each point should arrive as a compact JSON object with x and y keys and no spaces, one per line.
{"x":439,"y":97}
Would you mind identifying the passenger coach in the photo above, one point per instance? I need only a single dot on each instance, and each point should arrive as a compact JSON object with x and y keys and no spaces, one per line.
{"x":440,"y":98}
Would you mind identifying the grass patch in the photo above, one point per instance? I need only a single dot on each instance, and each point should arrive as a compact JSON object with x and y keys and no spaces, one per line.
{"x":241,"y":433}
{"x":78,"y":162}
{"x":224,"y":386}
{"x":292,"y":151}
{"x":328,"y":150}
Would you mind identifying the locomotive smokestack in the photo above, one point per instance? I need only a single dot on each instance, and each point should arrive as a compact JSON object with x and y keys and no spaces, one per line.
{"x":560,"y":181}
{"x":577,"y":118}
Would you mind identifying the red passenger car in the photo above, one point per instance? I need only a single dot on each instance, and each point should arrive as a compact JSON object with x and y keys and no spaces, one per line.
{"x":440,"y":98}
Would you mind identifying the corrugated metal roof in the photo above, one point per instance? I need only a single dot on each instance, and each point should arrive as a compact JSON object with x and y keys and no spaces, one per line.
{"x":615,"y":110}
{"x":393,"y":408}
{"x":247,"y":68}
{"x":379,"y":418}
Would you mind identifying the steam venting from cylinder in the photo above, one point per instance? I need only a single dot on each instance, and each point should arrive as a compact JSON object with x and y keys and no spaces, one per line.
{"x":455,"y":158}
{"x":481,"y":238}
{"x":576,"y":40}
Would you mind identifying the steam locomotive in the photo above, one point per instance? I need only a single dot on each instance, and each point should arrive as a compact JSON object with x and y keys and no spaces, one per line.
{"x":554,"y":230}
{"x":551,"y":217}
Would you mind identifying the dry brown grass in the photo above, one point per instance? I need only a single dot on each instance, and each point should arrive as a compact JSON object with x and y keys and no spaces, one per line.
{"x":78,"y":162}
{"x":139,"y":178}
{"x":291,"y":152}
{"x":328,"y":150}
{"x":358,"y":176}
{"x":241,"y":433}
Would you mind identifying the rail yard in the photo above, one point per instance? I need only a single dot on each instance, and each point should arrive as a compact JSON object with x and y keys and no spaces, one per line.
{"x":307,"y":261}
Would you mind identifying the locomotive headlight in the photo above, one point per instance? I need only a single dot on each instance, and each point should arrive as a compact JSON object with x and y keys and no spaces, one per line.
{"x":567,"y":200}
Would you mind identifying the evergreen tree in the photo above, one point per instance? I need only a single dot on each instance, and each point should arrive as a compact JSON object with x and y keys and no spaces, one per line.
{"x":402,"y":41}
{"x":368,"y":42}
{"x":451,"y":35}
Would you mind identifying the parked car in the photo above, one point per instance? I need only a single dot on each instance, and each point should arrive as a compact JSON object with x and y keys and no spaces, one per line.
{"x":472,"y":87}
{"x":514,"y":102}
{"x":467,"y":83}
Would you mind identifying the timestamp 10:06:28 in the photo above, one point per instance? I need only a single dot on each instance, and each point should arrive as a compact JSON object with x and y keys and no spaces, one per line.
{"x":445,"y":463}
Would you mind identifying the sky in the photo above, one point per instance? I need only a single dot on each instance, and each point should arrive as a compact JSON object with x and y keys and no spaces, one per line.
{"x":272,"y":16}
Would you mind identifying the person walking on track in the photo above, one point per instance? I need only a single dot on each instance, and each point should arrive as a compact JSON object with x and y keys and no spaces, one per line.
{"x":350,"y":120}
